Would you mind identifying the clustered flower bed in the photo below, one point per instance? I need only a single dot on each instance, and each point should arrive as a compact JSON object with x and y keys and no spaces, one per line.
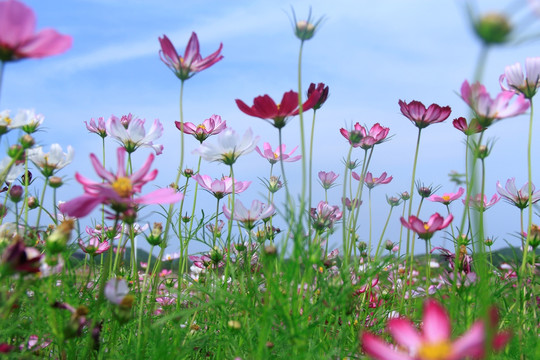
{"x":259,"y":291}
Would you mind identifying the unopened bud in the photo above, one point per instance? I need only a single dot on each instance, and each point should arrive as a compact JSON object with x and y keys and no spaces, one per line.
{"x":388,"y":245}
{"x":55,"y":182}
{"x":493,"y":28}
{"x":15,"y":193}
{"x":27,"y":141}
{"x":16,"y":152}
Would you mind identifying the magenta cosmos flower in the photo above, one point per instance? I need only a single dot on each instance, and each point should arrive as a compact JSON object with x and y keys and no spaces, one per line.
{"x":327,"y":179}
{"x":325,"y":216}
{"x":94,"y":246}
{"x":220,"y":188}
{"x":433,"y":342}
{"x":18,"y":39}
{"x":422,"y":117}
{"x":277,"y":114}
{"x":212,"y":126}
{"x":519,"y":198}
{"x":248,"y":217}
{"x":360,"y":137}
{"x":323,"y":91}
{"x":425,"y":230}
{"x":274,"y":156}
{"x":468,"y":129}
{"x":520,"y":83}
{"x":192,"y":62}
{"x":99,"y":128}
{"x":118,"y":189}
{"x":447,"y":198}
{"x":371,"y":181}
{"x":489,"y":110}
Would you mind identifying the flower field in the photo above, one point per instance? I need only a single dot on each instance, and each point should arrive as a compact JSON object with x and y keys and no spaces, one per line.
{"x":112,"y":271}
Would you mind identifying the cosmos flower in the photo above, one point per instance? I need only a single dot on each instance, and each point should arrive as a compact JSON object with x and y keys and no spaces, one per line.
{"x":370,"y":181}
{"x":433,"y":342}
{"x":422,"y":117}
{"x":100,"y":128}
{"x":192,"y":62}
{"x":489,"y":110}
{"x":133,"y":136}
{"x":229,"y":147}
{"x":447,"y":198}
{"x":274,"y":156}
{"x":519,"y":198}
{"x":520,"y":83}
{"x":18,"y":39}
{"x":94,"y":246}
{"x":49,"y":163}
{"x":360,"y":137}
{"x":468,"y":129}
{"x":212,"y":126}
{"x":220,"y":188}
{"x":248,"y":217}
{"x":277,"y":114}
{"x":323,"y":91}
{"x":327,"y":179}
{"x":479,"y":204}
{"x":425,"y":230}
{"x":117,"y":190}
{"x":325,"y":216}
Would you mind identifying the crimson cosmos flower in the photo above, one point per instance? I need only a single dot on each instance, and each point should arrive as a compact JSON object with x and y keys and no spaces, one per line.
{"x":18,"y":39}
{"x":322,"y":89}
{"x":192,"y":62}
{"x":360,"y":137}
{"x":468,"y":129}
{"x":425,"y":230}
{"x":422,"y":117}
{"x":278,"y":114}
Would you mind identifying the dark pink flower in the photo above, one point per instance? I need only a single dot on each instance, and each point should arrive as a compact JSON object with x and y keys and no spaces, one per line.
{"x":322,"y":90}
{"x":468,"y":129}
{"x":94,"y":246}
{"x":433,"y":342}
{"x":118,"y":189}
{"x":425,"y":230}
{"x":99,"y":128}
{"x":324,"y":216}
{"x":370,"y":181}
{"x":277,"y":114}
{"x":192,"y":62}
{"x":212,"y":126}
{"x":274,"y":156}
{"x":422,"y":117}
{"x":447,"y":198}
{"x":489,"y":110}
{"x":18,"y":39}
{"x":360,"y":137}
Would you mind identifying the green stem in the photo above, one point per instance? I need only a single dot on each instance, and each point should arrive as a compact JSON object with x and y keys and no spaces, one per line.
{"x":302,"y":139}
{"x":382,"y":235}
{"x":345,"y":229}
{"x":529,"y":193}
{"x":310,"y":168}
{"x":41,"y":201}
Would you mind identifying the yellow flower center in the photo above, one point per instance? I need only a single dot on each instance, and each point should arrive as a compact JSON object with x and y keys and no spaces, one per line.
{"x":7,"y":119}
{"x":435,"y":351}
{"x":426,"y":226}
{"x":122,"y":186}
{"x":276,"y":156}
{"x":446,"y":197}
{"x":201,"y":127}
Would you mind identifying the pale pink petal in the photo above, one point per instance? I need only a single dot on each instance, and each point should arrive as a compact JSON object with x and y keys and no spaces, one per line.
{"x":436,"y":323}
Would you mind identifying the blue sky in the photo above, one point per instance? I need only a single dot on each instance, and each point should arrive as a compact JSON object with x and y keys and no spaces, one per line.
{"x":371,"y":54}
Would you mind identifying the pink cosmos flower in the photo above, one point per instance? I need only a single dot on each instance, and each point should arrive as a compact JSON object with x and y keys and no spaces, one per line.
{"x":192,"y":62}
{"x":434,"y":341}
{"x":468,"y":129}
{"x":360,"y":137}
{"x":248,"y":217}
{"x":327,"y":179}
{"x":325,"y":216}
{"x":18,"y":39}
{"x":489,"y":110}
{"x":277,"y":114}
{"x":370,"y":181}
{"x":520,"y":83}
{"x":274,"y":156}
{"x":133,"y":136}
{"x":422,"y":117}
{"x":479,"y":204}
{"x":220,"y":188}
{"x":99,"y":128}
{"x":94,"y":246}
{"x":447,"y":198}
{"x":212,"y":126}
{"x":519,"y":198}
{"x":425,"y":230}
{"x":118,"y":189}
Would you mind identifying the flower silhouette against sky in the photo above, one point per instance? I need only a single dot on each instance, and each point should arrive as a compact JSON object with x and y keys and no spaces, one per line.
{"x":133,"y":135}
{"x":274,"y":156}
{"x":229,"y":146}
{"x":192,"y":62}
{"x":422,"y":117}
{"x":211,"y":126}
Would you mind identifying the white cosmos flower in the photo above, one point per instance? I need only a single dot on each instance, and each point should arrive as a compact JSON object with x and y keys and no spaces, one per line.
{"x":26,"y":119}
{"x":229,"y":146}
{"x":517,"y":81}
{"x":134,"y":136}
{"x":14,"y":171}
{"x":54,"y":160}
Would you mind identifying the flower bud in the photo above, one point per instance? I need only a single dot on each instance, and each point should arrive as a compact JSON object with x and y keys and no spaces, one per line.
{"x":155,"y":236}
{"x":15,"y":193}
{"x":129,"y":216}
{"x":388,"y":245}
{"x":27,"y":141}
{"x":270,"y":250}
{"x":55,"y":182}
{"x":534,"y":240}
{"x":56,"y":242}
{"x":188,"y":173}
{"x":304,"y":30}
{"x":493,"y":28}
{"x":32,"y":202}
{"x":16,"y":152}
{"x":362,"y":246}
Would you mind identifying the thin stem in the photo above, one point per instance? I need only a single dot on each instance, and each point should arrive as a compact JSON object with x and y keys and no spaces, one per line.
{"x":344,"y":212}
{"x":310,"y":169}
{"x":302,"y":139}
{"x":382,"y":234}
{"x":41,"y":202}
{"x":529,"y":193}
